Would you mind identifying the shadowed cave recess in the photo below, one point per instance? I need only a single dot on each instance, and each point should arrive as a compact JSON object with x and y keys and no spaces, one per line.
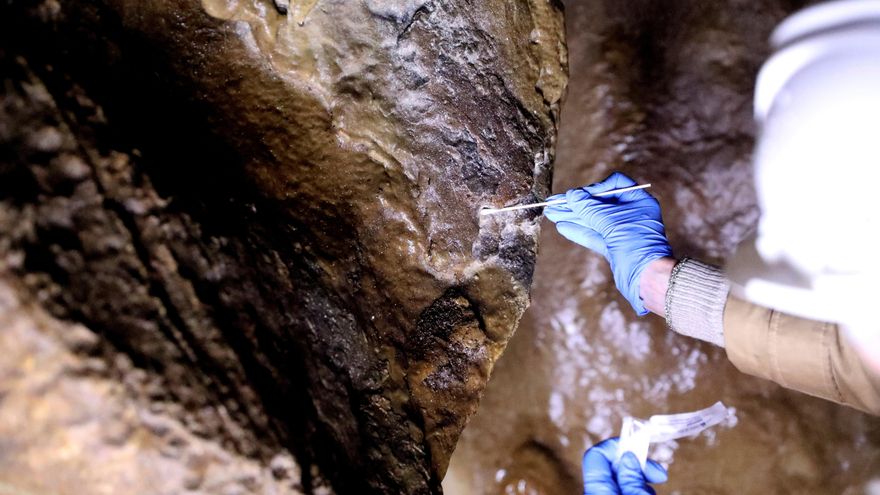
{"x":239,"y":248}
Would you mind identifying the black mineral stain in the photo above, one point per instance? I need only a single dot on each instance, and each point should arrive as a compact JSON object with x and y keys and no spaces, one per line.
{"x":445,"y":339}
{"x":517,"y":254}
{"x":479,"y":176}
{"x":439,"y":321}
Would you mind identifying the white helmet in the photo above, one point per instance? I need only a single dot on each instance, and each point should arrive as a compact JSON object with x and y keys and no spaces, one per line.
{"x":817,"y":172}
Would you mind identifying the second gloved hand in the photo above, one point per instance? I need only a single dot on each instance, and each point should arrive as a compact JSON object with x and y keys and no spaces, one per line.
{"x":603,"y":477}
{"x":626,"y":228}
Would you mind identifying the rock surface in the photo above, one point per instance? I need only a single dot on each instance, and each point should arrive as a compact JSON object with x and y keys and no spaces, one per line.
{"x":269,"y":208}
{"x":70,"y":425}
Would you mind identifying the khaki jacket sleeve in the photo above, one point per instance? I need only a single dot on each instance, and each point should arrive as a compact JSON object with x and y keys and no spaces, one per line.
{"x":808,"y":356}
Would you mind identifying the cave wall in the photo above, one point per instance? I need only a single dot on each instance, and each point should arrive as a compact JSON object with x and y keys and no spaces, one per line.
{"x":270,"y":209}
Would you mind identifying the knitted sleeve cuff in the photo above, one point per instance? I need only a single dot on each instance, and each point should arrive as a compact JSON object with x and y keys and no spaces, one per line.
{"x":695,"y":301}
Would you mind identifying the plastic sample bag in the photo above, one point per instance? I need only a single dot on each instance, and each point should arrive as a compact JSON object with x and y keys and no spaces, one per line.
{"x":637,"y":435}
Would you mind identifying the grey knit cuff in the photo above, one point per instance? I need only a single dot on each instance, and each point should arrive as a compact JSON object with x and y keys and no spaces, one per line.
{"x":695,"y":301}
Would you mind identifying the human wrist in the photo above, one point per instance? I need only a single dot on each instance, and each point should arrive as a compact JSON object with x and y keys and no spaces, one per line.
{"x":654,"y":283}
{"x":695,"y":301}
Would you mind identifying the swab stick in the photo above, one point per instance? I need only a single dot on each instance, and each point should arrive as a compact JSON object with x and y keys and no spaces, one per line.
{"x":491,"y":211}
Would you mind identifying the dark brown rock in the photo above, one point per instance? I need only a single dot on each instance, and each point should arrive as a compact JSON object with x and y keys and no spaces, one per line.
{"x":271,"y":211}
{"x":68,"y":428}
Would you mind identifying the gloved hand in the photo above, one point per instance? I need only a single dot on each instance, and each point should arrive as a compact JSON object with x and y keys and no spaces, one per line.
{"x":626,"y":228}
{"x":601,"y":477}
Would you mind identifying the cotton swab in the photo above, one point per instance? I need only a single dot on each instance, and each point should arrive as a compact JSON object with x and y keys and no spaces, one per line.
{"x":492,"y":211}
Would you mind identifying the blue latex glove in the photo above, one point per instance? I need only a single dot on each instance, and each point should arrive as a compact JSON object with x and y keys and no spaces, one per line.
{"x":625,"y":228}
{"x":602,"y":477}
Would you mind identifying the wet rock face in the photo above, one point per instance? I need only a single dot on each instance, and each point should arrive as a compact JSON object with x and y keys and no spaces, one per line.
{"x":270,"y":208}
{"x":70,"y":425}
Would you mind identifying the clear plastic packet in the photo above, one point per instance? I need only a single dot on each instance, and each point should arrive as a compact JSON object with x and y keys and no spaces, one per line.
{"x":637,"y":435}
